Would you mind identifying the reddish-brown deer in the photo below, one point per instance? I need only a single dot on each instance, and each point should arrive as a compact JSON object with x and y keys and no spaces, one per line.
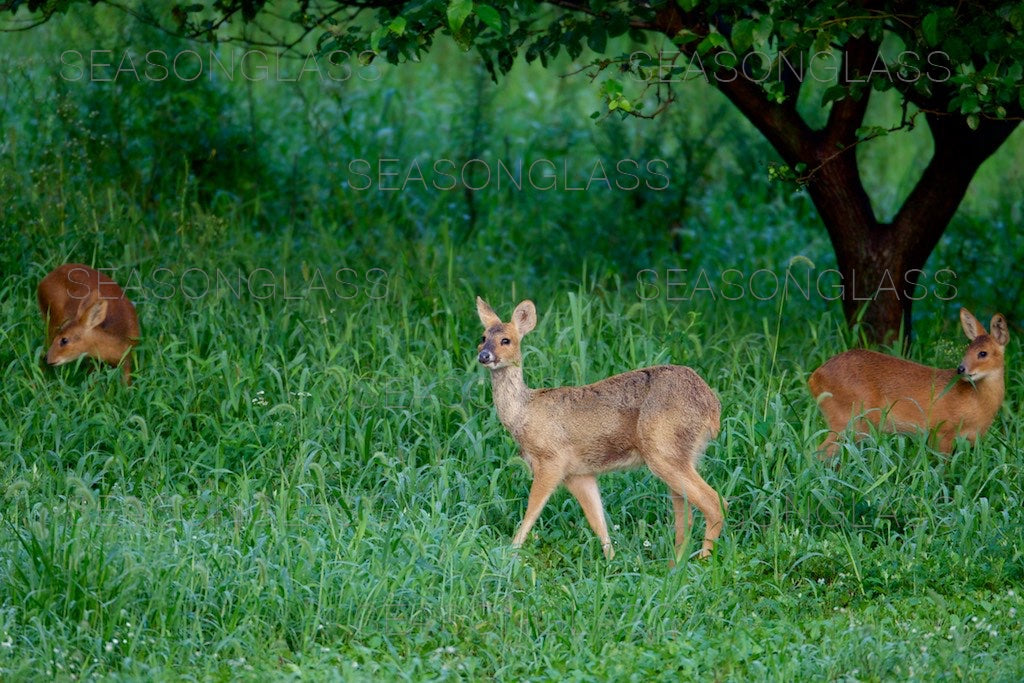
{"x":87,"y":314}
{"x":897,"y":395}
{"x":662,"y":417}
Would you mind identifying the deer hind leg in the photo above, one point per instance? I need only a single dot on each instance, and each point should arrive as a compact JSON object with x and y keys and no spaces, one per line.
{"x":838,"y":419}
{"x":584,"y":488}
{"x":545,"y":481}
{"x":707,"y":500}
{"x":689,"y":488}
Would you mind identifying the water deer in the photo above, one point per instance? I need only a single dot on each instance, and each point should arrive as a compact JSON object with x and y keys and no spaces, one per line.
{"x":897,"y":395}
{"x":662,"y":417}
{"x":87,"y":314}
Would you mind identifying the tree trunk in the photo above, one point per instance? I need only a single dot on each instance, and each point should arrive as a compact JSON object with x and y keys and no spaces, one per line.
{"x":874,"y":262}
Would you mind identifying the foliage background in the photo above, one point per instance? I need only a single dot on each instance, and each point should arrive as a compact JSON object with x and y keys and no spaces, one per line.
{"x":315,"y":485}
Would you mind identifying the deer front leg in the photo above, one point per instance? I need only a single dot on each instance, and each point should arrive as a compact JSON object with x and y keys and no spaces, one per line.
{"x":545,"y":481}
{"x":945,"y":438}
{"x":584,"y":488}
{"x":828,"y":448}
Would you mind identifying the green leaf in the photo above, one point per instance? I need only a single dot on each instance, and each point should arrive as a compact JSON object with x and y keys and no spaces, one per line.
{"x":972,"y":121}
{"x":726,"y":60}
{"x":930,"y":28}
{"x":377,"y":35}
{"x":617,"y":24}
{"x":685,"y":37}
{"x":458,"y":12}
{"x":597,"y":38}
{"x":743,"y":35}
{"x":489,"y":16}
{"x":611,"y":87}
{"x":688,"y":5}
{"x":1016,"y":18}
{"x":969,"y":103}
{"x":711,"y":41}
{"x":822,"y":41}
{"x":833,"y":93}
{"x":397,"y":25}
{"x":763,"y":29}
{"x":789,"y":29}
{"x":934,"y":25}
{"x":775,"y":90}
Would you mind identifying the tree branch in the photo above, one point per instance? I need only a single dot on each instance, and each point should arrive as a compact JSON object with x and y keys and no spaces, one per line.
{"x":959,"y":151}
{"x":847,"y":114}
{"x":780,"y":124}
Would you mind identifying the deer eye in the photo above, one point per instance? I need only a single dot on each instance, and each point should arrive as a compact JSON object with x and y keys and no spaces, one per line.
{"x":505,"y":341}
{"x":483,"y":339}
{"x":63,"y":341}
{"x":982,"y":354}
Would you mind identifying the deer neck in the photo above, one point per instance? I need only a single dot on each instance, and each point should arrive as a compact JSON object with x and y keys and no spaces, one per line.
{"x":511,"y":397}
{"x":992,"y":390}
{"x":988,"y":391}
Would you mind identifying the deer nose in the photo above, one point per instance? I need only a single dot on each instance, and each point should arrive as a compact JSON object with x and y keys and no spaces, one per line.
{"x":485,"y":357}
{"x":960,"y":369}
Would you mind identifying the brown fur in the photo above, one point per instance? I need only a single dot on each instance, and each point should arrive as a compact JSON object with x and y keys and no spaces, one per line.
{"x":87,"y":314}
{"x":661,"y":416}
{"x":867,"y":387}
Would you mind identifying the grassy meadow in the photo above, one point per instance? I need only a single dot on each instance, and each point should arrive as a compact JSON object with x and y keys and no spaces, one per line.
{"x":307,"y":479}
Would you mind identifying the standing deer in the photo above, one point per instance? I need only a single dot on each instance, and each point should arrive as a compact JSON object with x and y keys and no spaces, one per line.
{"x":87,"y":314}
{"x":897,"y":395}
{"x":661,"y":416}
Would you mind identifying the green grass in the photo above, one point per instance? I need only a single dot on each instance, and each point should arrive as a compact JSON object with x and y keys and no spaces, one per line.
{"x":304,"y":484}
{"x":321,"y":488}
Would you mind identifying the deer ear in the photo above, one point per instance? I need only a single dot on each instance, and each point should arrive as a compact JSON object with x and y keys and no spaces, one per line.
{"x":95,"y":315}
{"x":1000,"y":330}
{"x":487,"y":315}
{"x":524,"y":317}
{"x":86,"y":302}
{"x":972,"y":328}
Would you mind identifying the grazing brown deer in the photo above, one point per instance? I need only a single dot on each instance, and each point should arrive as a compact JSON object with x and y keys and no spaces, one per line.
{"x":662,"y":417}
{"x":87,"y":314}
{"x":897,"y":395}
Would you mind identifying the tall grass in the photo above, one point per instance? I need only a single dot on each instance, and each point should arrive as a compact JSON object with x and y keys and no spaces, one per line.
{"x":310,"y":482}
